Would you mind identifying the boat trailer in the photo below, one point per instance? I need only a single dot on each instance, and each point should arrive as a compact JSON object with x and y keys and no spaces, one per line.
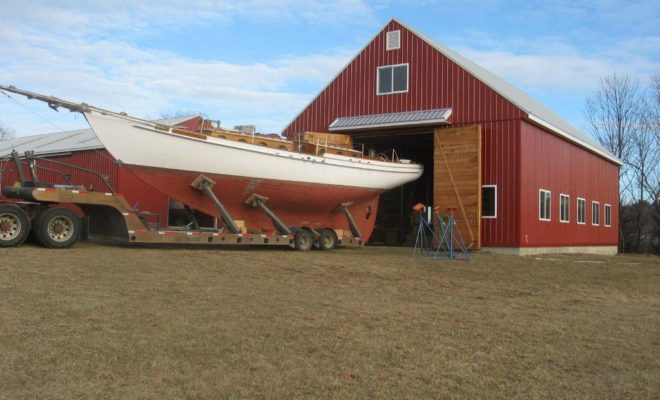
{"x":43,"y":209}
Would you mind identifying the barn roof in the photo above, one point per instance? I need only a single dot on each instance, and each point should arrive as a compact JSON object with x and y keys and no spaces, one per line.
{"x":536,"y":112}
{"x":64,"y":142}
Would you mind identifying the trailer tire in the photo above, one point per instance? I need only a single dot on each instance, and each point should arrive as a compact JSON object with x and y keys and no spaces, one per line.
{"x":303,"y":239}
{"x":327,"y":239}
{"x":14,"y":226}
{"x":57,"y":228}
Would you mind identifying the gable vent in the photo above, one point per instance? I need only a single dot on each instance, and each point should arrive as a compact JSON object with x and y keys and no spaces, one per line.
{"x":393,"y":40}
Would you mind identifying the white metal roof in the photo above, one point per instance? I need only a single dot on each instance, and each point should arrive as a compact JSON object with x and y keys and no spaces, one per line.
{"x":409,"y":118}
{"x":64,"y":142}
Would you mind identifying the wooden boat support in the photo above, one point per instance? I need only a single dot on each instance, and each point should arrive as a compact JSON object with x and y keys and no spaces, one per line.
{"x":205,"y":184}
{"x":257,"y":201}
{"x":351,"y":222}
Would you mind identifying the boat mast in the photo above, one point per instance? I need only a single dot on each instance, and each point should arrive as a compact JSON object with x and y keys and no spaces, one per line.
{"x":55,"y":103}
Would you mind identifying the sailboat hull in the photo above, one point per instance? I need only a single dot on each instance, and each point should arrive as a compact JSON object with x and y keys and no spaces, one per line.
{"x":298,"y":204}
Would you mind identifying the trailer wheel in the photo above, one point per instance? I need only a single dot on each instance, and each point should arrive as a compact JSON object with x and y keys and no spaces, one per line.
{"x":328,"y":239}
{"x":303,"y":239}
{"x":57,"y":228}
{"x":14,"y":226}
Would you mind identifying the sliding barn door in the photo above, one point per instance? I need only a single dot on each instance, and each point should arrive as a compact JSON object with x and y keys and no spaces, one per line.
{"x":457,"y":178}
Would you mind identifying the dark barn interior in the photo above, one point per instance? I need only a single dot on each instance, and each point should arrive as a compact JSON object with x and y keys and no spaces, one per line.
{"x":395,"y":224}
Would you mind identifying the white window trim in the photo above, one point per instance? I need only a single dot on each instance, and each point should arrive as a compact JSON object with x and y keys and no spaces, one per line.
{"x":378,"y":93}
{"x":549,"y":211}
{"x":604,"y":214}
{"x":577,"y":211}
{"x":569,"y":208}
{"x":491,"y":216}
{"x":387,"y":44}
{"x":592,"y":213}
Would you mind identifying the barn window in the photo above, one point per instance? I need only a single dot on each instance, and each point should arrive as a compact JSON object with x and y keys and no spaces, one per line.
{"x":608,"y":215}
{"x":581,"y":211}
{"x":393,"y":40}
{"x":489,"y":201}
{"x":564,"y":208}
{"x":595,"y":213}
{"x":392,"y":79}
{"x":544,"y":205}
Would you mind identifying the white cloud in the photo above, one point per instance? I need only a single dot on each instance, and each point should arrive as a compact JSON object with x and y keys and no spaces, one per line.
{"x":86,"y":51}
{"x":546,"y":71}
{"x":553,"y":64}
{"x":97,"y":17}
{"x":77,"y":54}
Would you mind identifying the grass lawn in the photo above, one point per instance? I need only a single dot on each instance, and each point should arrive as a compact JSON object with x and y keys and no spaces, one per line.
{"x":133,"y":323}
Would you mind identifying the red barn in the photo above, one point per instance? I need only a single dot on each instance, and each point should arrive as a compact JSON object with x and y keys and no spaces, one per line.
{"x":518,"y":177}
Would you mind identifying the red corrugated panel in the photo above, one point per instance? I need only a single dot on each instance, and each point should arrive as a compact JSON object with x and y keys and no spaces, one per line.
{"x":551,"y":163}
{"x":435,"y":82}
{"x":500,"y":142}
{"x":191,"y":124}
{"x":96,"y":160}
{"x":142,"y":196}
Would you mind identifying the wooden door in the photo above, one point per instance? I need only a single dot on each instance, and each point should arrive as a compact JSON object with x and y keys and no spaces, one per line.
{"x":457,"y":178}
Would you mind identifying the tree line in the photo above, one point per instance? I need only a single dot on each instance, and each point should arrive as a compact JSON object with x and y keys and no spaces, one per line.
{"x":624,"y":116}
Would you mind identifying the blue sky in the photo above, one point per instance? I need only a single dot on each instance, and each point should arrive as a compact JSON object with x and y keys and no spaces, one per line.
{"x":261,"y":62}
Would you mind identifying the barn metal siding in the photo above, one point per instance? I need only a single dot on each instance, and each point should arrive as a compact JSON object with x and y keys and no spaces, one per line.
{"x":434,"y":82}
{"x":500,"y":143}
{"x":550,"y":162}
{"x":142,"y":196}
{"x":96,"y":160}
{"x":500,"y":151}
{"x":135,"y":191}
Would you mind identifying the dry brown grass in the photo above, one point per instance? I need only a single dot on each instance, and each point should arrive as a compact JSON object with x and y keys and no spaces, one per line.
{"x":108,"y":322}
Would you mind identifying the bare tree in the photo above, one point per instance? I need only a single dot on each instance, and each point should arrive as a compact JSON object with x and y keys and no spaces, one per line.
{"x":625,"y":119}
{"x":169,"y":114}
{"x":651,"y":177}
{"x":613,"y":114}
{"x":645,"y":159}
{"x":6,"y":133}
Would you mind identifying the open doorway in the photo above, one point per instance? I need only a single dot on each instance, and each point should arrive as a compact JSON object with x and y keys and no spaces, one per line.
{"x":395,"y":223}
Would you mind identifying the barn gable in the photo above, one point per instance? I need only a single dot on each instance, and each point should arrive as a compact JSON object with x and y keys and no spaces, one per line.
{"x":470,"y":96}
{"x":353,"y":91}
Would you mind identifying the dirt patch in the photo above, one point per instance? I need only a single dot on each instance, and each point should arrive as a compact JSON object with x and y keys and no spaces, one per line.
{"x":109,"y":322}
